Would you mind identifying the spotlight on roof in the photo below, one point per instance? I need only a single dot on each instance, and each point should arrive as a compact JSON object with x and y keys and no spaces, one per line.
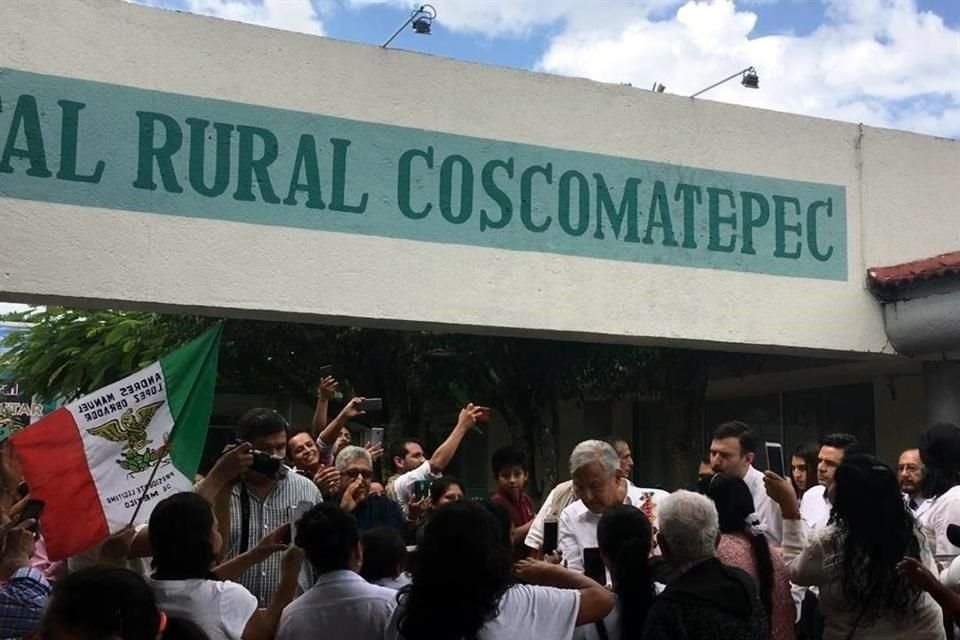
{"x":749,"y":79}
{"x":421,"y":19}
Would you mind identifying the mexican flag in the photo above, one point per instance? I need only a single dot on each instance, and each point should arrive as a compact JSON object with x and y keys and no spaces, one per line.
{"x":91,"y":460}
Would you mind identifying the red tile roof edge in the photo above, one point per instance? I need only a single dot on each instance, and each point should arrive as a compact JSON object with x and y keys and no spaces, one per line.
{"x":947,"y":264}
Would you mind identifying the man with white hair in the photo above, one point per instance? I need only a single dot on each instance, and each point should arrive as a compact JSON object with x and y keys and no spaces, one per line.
{"x":599,"y":483}
{"x":371,"y":511}
{"x":707,"y":599}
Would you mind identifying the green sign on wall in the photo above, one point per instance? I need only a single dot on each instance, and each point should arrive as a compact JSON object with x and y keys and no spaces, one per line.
{"x":87,"y":143}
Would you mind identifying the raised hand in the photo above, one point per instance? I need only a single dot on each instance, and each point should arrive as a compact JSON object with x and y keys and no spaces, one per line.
{"x":350,"y":501}
{"x":233,"y":462}
{"x":471,"y":414}
{"x":328,"y":388}
{"x":327,"y":480}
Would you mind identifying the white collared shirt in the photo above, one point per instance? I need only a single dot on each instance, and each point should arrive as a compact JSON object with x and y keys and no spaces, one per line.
{"x":578,"y":525}
{"x":220,"y":607}
{"x":815,"y":507}
{"x":941,"y":512}
{"x":559,"y":499}
{"x":921,"y":505}
{"x":771,"y":519}
{"x":403,"y":485}
{"x":341,"y":602}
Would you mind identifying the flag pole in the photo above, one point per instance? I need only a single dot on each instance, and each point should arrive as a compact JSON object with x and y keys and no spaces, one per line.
{"x":146,"y":488}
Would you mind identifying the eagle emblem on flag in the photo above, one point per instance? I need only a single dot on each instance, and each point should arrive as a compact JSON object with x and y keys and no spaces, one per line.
{"x":131,"y":429}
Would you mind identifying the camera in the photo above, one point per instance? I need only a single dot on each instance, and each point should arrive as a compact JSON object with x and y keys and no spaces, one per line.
{"x":265,"y":464}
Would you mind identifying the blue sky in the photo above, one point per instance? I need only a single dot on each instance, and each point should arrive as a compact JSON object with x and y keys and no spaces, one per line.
{"x":889,"y":63}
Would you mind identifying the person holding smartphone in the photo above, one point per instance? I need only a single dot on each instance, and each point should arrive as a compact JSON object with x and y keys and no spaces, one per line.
{"x":410,"y":464}
{"x":23,"y":590}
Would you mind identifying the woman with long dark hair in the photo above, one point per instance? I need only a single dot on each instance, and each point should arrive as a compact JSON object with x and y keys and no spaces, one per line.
{"x":185,"y":542}
{"x":803,"y":467}
{"x":745,"y":548}
{"x":940,"y":453}
{"x":464,"y":589}
{"x":854,"y":559}
{"x":625,"y":538}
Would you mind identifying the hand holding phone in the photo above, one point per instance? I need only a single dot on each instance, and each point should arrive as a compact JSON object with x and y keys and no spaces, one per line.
{"x":550,"y":535}
{"x":593,"y":566}
{"x":775,"y":458}
{"x":31,"y":511}
{"x":371,"y":405}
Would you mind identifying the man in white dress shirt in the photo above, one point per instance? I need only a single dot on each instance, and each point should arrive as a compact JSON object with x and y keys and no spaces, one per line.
{"x":732,"y":452}
{"x":341,"y":603}
{"x":599,"y":482}
{"x":412,"y":466}
{"x":815,"y":506}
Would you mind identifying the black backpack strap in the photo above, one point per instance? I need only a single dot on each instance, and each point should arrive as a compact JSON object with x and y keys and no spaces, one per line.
{"x":244,"y":518}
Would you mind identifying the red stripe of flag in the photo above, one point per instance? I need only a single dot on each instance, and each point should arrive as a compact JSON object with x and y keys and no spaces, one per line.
{"x":56,"y":469}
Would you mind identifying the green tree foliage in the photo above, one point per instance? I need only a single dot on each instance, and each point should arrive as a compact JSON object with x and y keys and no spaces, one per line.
{"x":423,"y":377}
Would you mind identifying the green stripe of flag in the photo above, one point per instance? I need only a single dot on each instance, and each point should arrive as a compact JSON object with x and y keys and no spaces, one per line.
{"x":190,"y":373}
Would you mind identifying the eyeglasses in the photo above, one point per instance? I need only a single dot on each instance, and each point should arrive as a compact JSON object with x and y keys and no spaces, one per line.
{"x":353,"y":473}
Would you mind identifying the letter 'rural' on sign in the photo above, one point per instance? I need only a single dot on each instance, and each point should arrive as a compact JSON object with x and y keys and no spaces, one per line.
{"x":92,"y":144}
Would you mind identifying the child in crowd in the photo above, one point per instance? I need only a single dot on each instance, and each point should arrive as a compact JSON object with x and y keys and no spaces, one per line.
{"x":511,"y":473}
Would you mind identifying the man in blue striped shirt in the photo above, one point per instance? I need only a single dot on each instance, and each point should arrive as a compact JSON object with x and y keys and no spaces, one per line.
{"x":24,"y":591}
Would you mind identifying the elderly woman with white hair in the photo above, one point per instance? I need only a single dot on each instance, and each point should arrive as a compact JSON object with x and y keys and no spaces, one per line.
{"x":599,"y":483}
{"x":371,"y":511}
{"x":707,"y":599}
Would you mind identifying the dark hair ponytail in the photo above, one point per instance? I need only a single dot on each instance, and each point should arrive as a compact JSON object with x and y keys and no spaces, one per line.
{"x":734,"y":503}
{"x":625,"y":538}
{"x":761,"y":555}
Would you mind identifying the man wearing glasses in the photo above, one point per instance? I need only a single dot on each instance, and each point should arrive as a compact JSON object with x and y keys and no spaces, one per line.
{"x":371,"y":511}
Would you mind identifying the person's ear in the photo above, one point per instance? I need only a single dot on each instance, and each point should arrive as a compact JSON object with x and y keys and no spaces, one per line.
{"x":357,"y":556}
{"x":397,"y":461}
{"x":749,"y":457}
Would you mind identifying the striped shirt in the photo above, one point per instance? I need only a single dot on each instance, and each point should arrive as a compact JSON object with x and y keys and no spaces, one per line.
{"x":22,"y":599}
{"x":266,"y":515}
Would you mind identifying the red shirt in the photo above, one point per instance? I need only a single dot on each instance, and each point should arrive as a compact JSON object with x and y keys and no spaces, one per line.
{"x":521,"y":510}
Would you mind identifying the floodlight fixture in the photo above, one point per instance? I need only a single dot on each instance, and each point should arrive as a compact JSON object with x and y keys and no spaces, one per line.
{"x":420,"y":18}
{"x":749,"y":79}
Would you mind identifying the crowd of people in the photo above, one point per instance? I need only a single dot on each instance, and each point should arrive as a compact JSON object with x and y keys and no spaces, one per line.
{"x":292,"y":535}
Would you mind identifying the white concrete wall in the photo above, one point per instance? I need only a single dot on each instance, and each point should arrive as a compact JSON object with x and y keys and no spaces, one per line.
{"x":903,"y":196}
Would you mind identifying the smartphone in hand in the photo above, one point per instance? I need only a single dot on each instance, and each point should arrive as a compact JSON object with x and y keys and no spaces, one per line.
{"x":326,"y":371}
{"x":775,"y":461}
{"x":593,"y":566}
{"x":31,"y":511}
{"x":550,"y":534}
{"x":371,"y":405}
{"x":376,"y":436}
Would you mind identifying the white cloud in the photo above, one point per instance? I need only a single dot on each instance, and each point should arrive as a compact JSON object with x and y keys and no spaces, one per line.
{"x":883,"y":63}
{"x":516,"y":18}
{"x":290,"y":15}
